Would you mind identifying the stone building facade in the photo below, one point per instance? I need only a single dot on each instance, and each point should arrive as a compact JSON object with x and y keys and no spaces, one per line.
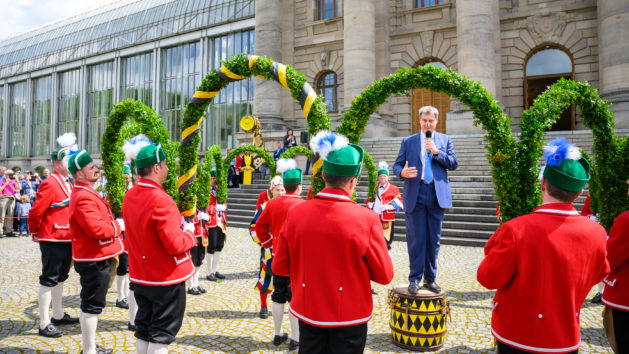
{"x":515,"y":48}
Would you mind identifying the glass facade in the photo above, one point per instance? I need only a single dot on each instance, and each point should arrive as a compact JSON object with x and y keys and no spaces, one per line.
{"x":17,"y":120}
{"x":41,"y":114}
{"x":236,"y":99}
{"x":69,"y":102}
{"x":100,"y":101}
{"x":136,"y":81}
{"x":114,"y":26}
{"x":181,"y":74}
{"x":1,"y":118}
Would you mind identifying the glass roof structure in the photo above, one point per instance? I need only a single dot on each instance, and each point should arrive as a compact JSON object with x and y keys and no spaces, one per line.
{"x":114,"y":26}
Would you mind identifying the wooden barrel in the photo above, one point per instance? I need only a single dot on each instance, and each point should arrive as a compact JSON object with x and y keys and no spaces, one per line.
{"x":418,"y":322}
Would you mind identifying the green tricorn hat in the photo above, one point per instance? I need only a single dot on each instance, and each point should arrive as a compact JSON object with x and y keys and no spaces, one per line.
{"x":339,"y":157}
{"x":149,"y":156}
{"x":383,"y":168}
{"x":565,"y":168}
{"x":66,"y":143}
{"x":290,"y":173}
{"x":78,"y":161}
{"x":126,"y":169}
{"x":213,"y":173}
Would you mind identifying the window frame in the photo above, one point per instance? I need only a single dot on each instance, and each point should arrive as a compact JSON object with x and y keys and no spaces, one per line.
{"x":419,"y":4}
{"x":321,"y":10}
{"x":320,"y":90}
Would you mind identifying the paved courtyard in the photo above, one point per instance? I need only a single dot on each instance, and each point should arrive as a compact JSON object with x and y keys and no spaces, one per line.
{"x":225,"y":319}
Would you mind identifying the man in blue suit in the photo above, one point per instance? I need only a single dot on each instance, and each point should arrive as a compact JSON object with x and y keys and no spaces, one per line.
{"x":422,"y":163}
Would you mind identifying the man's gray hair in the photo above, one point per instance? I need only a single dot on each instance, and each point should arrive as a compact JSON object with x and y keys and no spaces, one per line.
{"x":429,"y":110}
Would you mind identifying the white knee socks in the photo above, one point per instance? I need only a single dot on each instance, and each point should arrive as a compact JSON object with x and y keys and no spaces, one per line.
{"x":217,"y":256}
{"x":89,"y":322}
{"x":120,"y":286}
{"x":294,"y":327}
{"x":133,"y":308}
{"x":278,"y":316}
{"x":210,"y":258}
{"x":45,"y":295}
{"x":141,"y":346}
{"x":57,"y":301}
{"x":156,"y":348}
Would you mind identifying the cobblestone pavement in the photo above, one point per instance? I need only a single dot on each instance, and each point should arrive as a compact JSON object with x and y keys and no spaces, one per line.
{"x":225,"y":319}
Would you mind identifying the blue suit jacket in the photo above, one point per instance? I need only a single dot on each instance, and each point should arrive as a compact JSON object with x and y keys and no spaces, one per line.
{"x":445,"y":160}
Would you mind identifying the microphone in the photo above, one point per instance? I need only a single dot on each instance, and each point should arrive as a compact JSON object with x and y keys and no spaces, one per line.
{"x":429,"y":138}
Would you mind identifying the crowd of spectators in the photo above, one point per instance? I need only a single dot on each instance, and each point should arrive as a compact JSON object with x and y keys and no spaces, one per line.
{"x":18,"y":190}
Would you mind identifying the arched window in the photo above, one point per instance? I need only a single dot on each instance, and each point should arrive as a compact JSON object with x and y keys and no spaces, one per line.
{"x":424,"y":97}
{"x":543,"y":68}
{"x":327,"y":86}
{"x":326,"y":9}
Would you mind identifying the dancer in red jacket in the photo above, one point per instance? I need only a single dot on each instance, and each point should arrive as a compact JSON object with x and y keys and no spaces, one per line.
{"x":96,"y":238}
{"x":331,"y":289}
{"x":545,"y":263}
{"x":48,"y":222}
{"x":388,"y":202}
{"x":159,"y":252}
{"x":616,"y":294}
{"x":267,"y":230}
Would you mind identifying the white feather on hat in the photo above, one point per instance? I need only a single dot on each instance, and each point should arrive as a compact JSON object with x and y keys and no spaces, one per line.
{"x":284,"y":165}
{"x":132,"y":147}
{"x":324,"y":142}
{"x":383,"y":165}
{"x":67,"y":139}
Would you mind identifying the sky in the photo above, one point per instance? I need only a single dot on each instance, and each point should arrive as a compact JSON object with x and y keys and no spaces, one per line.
{"x":18,"y":16}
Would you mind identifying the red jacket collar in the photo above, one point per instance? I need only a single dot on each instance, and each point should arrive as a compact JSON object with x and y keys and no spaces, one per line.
{"x":334,"y":194}
{"x":148,"y":183}
{"x":557,"y":208}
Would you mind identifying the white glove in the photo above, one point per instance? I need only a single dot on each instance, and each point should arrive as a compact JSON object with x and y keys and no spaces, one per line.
{"x":388,"y":207}
{"x":204,"y":216}
{"x":221,"y":207}
{"x":188,"y":226}
{"x":121,"y":223}
{"x":370,"y":205}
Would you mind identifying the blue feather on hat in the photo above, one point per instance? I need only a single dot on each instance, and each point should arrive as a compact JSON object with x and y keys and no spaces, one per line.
{"x":558,"y":150}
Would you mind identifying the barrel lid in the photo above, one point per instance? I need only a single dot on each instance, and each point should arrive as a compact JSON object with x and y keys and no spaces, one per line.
{"x":423,"y":293}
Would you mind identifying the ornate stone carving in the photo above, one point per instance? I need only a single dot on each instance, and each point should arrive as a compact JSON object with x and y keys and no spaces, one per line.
{"x":547,"y":27}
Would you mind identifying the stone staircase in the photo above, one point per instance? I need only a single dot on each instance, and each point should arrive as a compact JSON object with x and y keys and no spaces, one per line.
{"x":471,"y":220}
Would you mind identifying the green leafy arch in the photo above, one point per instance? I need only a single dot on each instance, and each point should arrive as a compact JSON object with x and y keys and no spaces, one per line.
{"x":608,"y":190}
{"x":238,"y":68}
{"x":129,"y":118}
{"x":213,"y":155}
{"x":254,"y":149}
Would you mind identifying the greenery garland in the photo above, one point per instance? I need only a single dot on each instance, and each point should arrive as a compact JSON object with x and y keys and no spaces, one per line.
{"x":608,"y":190}
{"x":501,"y":148}
{"x":296,"y":150}
{"x":213,"y":156}
{"x":236,"y":68}
{"x":254,"y":149}
{"x":145,"y":121}
{"x":372,"y":176}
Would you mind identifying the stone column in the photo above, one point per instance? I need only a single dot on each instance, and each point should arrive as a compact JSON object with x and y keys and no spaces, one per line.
{"x":476,"y":54}
{"x":613,"y":49}
{"x":359,"y":56}
{"x":268,"y":42}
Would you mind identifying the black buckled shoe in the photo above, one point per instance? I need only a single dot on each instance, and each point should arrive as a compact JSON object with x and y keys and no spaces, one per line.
{"x":278,"y":340}
{"x":597,"y":298}
{"x":293,"y":344}
{"x":101,"y":350}
{"x":201,"y":290}
{"x":219,"y":275}
{"x":65,"y":320}
{"x":123,"y":304}
{"x":211,"y":277}
{"x":413,"y":287}
{"x":432,"y":286}
{"x":264,"y":313}
{"x":50,"y":331}
{"x":194,"y":291}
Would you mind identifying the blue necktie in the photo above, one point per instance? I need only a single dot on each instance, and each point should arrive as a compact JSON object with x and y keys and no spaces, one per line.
{"x":428,"y":168}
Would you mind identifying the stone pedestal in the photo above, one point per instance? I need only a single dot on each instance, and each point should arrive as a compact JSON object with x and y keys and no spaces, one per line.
{"x":613,"y":27}
{"x":268,"y":42}
{"x":476,"y":55}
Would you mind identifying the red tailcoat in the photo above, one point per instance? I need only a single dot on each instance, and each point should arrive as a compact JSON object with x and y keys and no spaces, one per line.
{"x":263,"y":197}
{"x":543,"y":265}
{"x":390,"y":192}
{"x":213,"y":213}
{"x":158,"y":247}
{"x":96,"y":235}
{"x":49,"y":217}
{"x":332,"y":248}
{"x":272,"y":219}
{"x":616,"y":294}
